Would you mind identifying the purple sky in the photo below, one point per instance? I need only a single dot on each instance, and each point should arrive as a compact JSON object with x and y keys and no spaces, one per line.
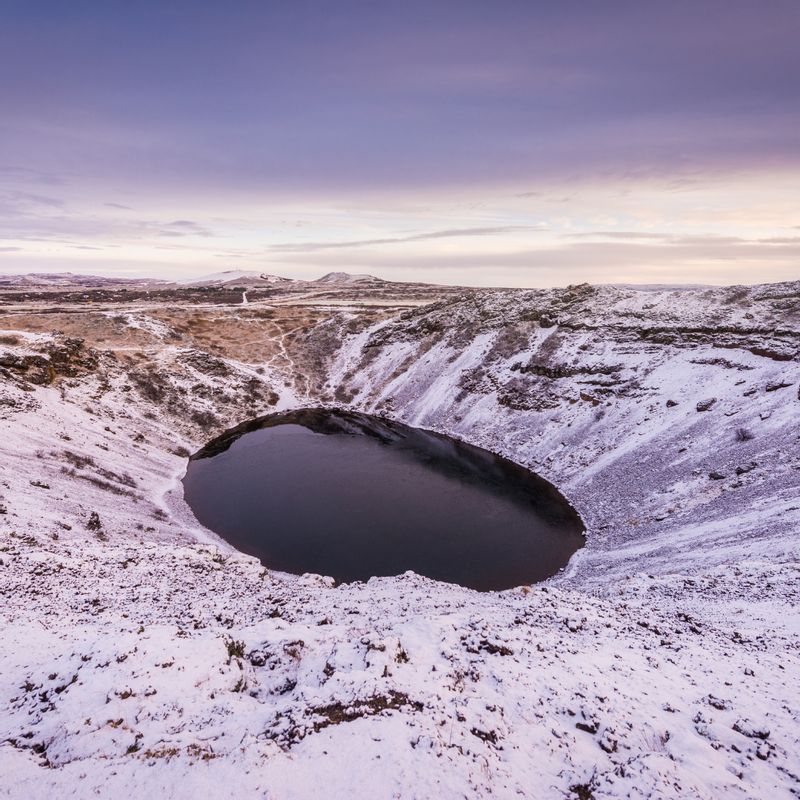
{"x":508,"y":142}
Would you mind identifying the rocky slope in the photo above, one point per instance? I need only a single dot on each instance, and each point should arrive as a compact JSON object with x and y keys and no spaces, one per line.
{"x":142,"y":655}
{"x":671,"y":418}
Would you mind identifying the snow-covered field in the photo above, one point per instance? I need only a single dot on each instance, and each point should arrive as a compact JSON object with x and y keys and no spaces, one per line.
{"x":142,"y":656}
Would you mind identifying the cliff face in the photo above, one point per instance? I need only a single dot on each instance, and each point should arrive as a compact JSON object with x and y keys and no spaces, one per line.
{"x":143,"y":656}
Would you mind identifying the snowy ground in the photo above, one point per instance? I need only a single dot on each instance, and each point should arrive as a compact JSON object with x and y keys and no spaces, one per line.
{"x":141,"y":656}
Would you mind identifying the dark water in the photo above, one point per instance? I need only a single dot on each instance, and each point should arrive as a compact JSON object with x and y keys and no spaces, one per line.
{"x":352,"y":496}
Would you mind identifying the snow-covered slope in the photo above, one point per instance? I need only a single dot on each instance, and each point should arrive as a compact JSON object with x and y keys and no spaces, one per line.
{"x":141,"y":655}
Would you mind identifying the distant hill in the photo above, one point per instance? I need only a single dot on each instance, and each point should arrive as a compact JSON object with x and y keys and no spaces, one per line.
{"x":235,"y":277}
{"x":346,"y":277}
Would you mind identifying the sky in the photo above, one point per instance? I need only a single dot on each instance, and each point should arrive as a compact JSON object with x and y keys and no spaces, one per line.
{"x":482,"y":142}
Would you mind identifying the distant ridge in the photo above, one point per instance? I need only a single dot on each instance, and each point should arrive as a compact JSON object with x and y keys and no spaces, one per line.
{"x":70,"y":279}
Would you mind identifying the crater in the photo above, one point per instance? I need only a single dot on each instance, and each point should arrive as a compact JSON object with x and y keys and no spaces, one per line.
{"x":353,"y":496}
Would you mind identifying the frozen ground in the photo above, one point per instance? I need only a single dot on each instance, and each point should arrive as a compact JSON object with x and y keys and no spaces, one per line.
{"x":141,"y":656}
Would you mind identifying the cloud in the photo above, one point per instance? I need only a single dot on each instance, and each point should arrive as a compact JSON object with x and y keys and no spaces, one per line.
{"x":544,"y":197}
{"x":30,"y":217}
{"x":312,"y":247}
{"x":515,"y":92}
{"x":184,"y":227}
{"x":710,"y":240}
{"x":27,"y":198}
{"x":14,"y":202}
{"x":698,"y":240}
{"x":10,"y":249}
{"x":616,"y":235}
{"x":27,"y":175}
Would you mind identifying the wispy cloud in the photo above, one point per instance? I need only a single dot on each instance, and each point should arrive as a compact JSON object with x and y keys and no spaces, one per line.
{"x":185,"y":227}
{"x":781,"y":240}
{"x":15,"y":202}
{"x":698,"y":240}
{"x":450,"y":233}
{"x":616,"y":235}
{"x":30,"y":176}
